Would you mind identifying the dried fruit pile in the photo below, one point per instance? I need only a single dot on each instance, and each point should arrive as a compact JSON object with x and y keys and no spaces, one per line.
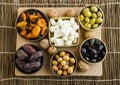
{"x":32,"y":24}
{"x":28,"y":59}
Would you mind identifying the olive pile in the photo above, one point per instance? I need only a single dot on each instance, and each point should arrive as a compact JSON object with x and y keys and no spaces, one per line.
{"x":91,"y":17}
{"x":63,"y":63}
{"x":93,"y":50}
{"x":28,"y":59}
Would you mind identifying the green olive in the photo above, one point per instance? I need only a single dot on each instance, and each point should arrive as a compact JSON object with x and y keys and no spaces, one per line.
{"x":62,"y":53}
{"x":56,"y":56}
{"x":83,"y":22}
{"x":54,"y":68}
{"x":81,"y":17}
{"x":70,"y":70}
{"x":94,"y":9}
{"x":85,"y":9}
{"x":63,"y":63}
{"x":59,"y":72}
{"x":92,"y":21}
{"x":94,"y":15}
{"x":99,"y":20}
{"x":87,"y":25}
{"x":87,"y":19}
{"x":95,"y":25}
{"x":87,"y":14}
{"x":72,"y":60}
{"x":59,"y":59}
{"x":54,"y":62}
{"x":66,"y":57}
{"x":65,"y":73}
{"x":99,"y":14}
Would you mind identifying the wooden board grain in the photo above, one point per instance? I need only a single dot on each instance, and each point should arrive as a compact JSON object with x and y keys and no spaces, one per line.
{"x":95,"y":69}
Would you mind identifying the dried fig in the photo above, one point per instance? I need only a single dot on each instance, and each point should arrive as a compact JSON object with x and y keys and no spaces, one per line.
{"x":29,"y":49}
{"x":22,"y":55}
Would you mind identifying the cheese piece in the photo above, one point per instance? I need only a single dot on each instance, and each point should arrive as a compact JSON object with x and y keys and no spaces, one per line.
{"x":59,"y":42}
{"x":52,"y":21}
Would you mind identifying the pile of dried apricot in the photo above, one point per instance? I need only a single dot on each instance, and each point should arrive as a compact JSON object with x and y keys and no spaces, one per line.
{"x":32,"y":24}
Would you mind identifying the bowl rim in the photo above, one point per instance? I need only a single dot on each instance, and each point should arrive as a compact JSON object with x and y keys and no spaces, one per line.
{"x":88,"y":61}
{"x":81,"y":22}
{"x":16,"y":66}
{"x":65,"y":18}
{"x":47,"y":20}
{"x":54,"y":56}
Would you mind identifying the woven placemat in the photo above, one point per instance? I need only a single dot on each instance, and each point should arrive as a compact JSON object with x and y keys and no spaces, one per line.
{"x":110,"y":35}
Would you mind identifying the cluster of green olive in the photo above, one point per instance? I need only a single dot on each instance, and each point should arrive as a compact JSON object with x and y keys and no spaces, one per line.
{"x":63,"y":63}
{"x":91,"y":17}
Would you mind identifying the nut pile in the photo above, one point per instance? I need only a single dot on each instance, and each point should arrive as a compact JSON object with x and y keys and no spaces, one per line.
{"x":28,"y":59}
{"x":63,"y":63}
{"x":32,"y":24}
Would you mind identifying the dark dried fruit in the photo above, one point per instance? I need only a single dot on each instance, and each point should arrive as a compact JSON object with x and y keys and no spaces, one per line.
{"x":20,"y":19}
{"x":29,"y":49}
{"x":36,"y":55}
{"x":19,"y":29}
{"x":29,"y":67}
{"x":22,"y":55}
{"x":28,"y":30}
{"x":20,"y":63}
{"x":32,"y":11}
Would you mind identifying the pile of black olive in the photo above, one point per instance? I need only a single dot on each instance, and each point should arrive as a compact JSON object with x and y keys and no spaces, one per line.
{"x":29,"y":59}
{"x":93,"y":50}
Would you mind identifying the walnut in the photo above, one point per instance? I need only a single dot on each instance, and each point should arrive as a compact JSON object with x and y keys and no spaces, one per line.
{"x":83,"y":67}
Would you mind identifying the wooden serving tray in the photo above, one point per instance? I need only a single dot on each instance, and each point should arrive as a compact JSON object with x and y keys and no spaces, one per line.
{"x":95,"y":69}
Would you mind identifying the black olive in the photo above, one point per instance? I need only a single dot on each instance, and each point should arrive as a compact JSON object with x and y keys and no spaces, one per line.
{"x":101,"y":47}
{"x":95,"y":56}
{"x":92,"y":51}
{"x":97,"y":42}
{"x":83,"y":50}
{"x":87,"y":58}
{"x":93,"y":60}
{"x":19,"y":29}
{"x":86,"y":45}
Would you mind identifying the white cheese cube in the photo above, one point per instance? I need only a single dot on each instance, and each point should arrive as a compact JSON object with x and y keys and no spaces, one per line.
{"x":65,"y":38}
{"x":75,"y":27}
{"x":58,"y":33}
{"x":76,"y":35}
{"x":52,"y":39}
{"x":72,"y":21}
{"x":65,"y":30}
{"x":72,"y":32}
{"x":52,"y":21}
{"x":52,"y":29}
{"x":59,"y":22}
{"x":59,"y":42}
{"x":75,"y":41}
{"x":68,"y":43}
{"x":57,"y":27}
{"x":71,"y":37}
